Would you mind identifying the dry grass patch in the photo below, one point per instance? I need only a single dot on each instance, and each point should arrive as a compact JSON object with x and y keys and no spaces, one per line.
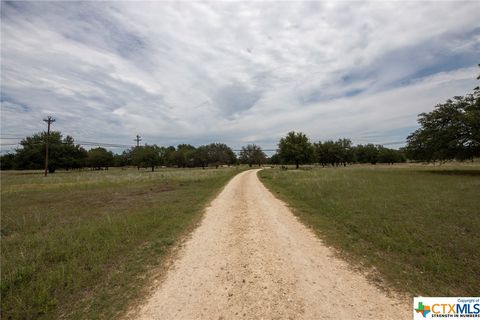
{"x":78,"y":245}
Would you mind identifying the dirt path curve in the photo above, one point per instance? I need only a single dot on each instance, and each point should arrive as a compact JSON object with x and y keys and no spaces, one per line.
{"x":252,"y":259}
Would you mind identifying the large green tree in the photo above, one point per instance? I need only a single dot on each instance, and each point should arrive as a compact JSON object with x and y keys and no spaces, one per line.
{"x":295,"y":148}
{"x":450,"y":131}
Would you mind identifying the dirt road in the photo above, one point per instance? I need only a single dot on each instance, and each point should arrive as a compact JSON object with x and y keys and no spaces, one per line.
{"x":252,"y":259}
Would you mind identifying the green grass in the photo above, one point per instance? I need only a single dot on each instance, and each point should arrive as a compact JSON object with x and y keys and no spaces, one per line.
{"x":418,"y":226}
{"x":80,"y":245}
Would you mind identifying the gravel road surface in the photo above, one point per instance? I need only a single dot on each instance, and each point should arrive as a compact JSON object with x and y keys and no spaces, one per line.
{"x":251,"y":258}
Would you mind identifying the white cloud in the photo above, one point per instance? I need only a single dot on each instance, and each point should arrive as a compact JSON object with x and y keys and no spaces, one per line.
{"x":233,"y":72}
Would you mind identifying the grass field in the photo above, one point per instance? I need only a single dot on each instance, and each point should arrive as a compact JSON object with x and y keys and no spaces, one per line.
{"x":418,"y":226}
{"x":79,"y":244}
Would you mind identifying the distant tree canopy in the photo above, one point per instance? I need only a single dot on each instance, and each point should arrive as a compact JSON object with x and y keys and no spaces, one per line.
{"x":100,"y":158}
{"x":166,"y":155}
{"x":295,"y":148}
{"x":200,"y":157}
{"x":63,"y":153}
{"x":450,"y":131}
{"x":274,"y":159}
{"x":252,"y":154}
{"x":334,"y":152}
{"x":183,"y":156}
{"x":220,"y":153}
{"x":341,"y":152}
{"x":386,"y":155}
{"x":366,"y":153}
{"x":7,"y":161}
{"x":146,"y":156}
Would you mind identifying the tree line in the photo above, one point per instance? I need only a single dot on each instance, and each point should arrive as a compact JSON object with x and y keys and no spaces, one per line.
{"x":296,"y":148}
{"x":65,"y":154}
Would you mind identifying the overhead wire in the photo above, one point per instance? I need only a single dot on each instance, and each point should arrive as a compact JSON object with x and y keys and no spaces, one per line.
{"x":119,"y":145}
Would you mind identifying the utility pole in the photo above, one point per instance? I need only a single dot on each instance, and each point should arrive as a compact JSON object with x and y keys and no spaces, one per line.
{"x":48,"y":120}
{"x":138,"y":139}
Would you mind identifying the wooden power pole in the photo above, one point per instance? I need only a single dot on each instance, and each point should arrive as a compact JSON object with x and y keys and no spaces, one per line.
{"x":48,"y":120}
{"x":138,"y":139}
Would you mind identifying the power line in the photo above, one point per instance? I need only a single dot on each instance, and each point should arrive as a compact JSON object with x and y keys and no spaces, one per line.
{"x":138,"y":139}
{"x":103,"y":144}
{"x":238,"y":150}
{"x":84,"y":143}
{"x":392,"y":143}
{"x":9,"y":144}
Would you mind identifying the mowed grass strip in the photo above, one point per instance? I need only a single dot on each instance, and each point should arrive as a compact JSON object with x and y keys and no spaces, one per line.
{"x":419,"y":227}
{"x":79,"y":245}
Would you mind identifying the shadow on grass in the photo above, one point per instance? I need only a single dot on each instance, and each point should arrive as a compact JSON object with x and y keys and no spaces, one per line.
{"x":22,"y":173}
{"x":456,"y":172}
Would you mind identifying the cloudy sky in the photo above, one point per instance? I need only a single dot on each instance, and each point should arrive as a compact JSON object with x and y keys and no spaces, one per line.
{"x":233,"y":72}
